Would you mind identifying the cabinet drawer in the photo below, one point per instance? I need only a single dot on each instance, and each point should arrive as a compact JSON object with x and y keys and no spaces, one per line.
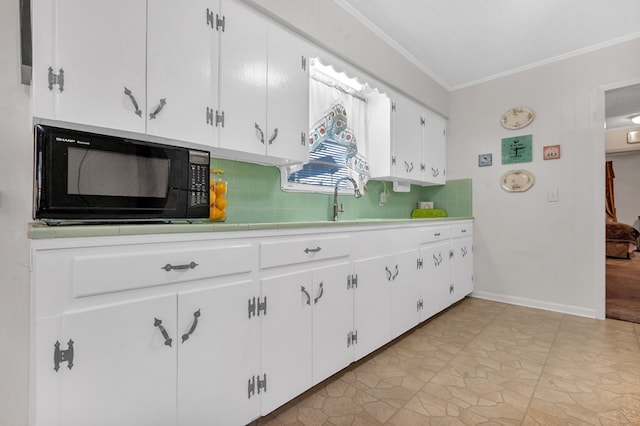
{"x":112,"y":269}
{"x":465,"y":230}
{"x":301,"y":250}
{"x":435,"y":233}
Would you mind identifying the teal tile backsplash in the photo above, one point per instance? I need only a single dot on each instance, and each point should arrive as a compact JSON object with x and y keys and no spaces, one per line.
{"x":255,"y":196}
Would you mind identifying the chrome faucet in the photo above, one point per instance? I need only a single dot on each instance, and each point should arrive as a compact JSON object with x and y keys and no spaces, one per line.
{"x":356,"y":193}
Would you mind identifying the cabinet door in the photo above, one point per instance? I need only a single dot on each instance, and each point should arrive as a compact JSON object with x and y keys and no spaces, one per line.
{"x":182,"y":70}
{"x":287,"y":96}
{"x":218,"y":353}
{"x":100,"y":46}
{"x":124,"y":366}
{"x":435,"y":148}
{"x":372,"y":309}
{"x":332,"y":320}
{"x":243,"y":79}
{"x":462,"y":268}
{"x":405,"y":291}
{"x":407,"y":140}
{"x":435,"y":279}
{"x":286,"y":337}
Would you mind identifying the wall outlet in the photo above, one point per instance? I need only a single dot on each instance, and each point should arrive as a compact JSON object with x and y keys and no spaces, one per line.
{"x":553,"y":195}
{"x":383,"y":198}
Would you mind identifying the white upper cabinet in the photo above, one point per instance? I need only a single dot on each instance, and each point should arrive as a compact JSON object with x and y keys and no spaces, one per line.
{"x":409,"y":141}
{"x":287,"y":96}
{"x":122,"y":65}
{"x":89,"y":62}
{"x":264,"y":89}
{"x":182,"y":70}
{"x":435,"y":148}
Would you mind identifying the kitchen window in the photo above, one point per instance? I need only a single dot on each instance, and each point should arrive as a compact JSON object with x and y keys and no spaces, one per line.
{"x":337,"y":133}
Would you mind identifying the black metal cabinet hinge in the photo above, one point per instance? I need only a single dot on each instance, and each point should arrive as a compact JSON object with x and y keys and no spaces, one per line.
{"x":352,"y":338}
{"x":220,"y":118}
{"x":56,"y":79}
{"x":262,"y":384}
{"x":262,"y":306}
{"x":352,"y":281}
{"x":256,"y":384}
{"x":60,"y":356}
{"x":220,"y":22}
{"x":254,"y":306}
{"x":209,"y":18}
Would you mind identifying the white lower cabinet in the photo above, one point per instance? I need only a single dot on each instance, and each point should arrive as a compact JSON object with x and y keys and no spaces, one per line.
{"x":108,"y":366}
{"x":332,"y":320}
{"x":218,"y":345}
{"x":194,"y":331}
{"x":461,"y":268}
{"x":128,"y":353}
{"x":405,"y":292}
{"x":308,"y":317}
{"x":446,"y":263}
{"x":372,"y":307}
{"x":435,"y":278}
{"x":386,"y":298}
{"x":285,"y":339}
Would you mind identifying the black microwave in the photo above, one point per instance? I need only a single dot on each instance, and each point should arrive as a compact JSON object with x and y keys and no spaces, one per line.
{"x":86,"y":177}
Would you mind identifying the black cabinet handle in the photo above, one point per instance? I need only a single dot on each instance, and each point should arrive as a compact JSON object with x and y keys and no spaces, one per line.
{"x":153,"y":115}
{"x":396,"y":274}
{"x":167,"y":339}
{"x":273,"y":136}
{"x":259,"y":133}
{"x":133,"y":101}
{"x":388,"y":273}
{"x":304,"y":290}
{"x":312,"y":250}
{"x":320,"y":293}
{"x":169,"y":267}
{"x":186,"y":336}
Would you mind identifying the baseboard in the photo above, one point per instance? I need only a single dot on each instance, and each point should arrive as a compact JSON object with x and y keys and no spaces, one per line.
{"x":538,"y":304}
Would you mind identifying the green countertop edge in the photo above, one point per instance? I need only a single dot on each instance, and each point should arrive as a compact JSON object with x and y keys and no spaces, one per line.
{"x":40,"y":231}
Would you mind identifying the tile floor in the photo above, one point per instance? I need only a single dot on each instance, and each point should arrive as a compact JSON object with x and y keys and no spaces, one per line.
{"x":483,"y":362}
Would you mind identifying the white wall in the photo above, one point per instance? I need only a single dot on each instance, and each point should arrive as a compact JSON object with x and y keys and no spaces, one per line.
{"x":527,"y":250}
{"x":626,"y":185}
{"x":15,"y":213}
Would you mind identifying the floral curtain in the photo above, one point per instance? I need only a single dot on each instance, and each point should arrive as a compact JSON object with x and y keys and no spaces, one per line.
{"x":339,"y":117}
{"x":610,"y":204}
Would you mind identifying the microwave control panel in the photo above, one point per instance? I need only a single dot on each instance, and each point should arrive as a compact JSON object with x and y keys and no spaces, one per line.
{"x":199,"y":179}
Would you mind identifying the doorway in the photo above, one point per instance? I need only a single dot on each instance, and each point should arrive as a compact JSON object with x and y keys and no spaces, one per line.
{"x":623,"y":261}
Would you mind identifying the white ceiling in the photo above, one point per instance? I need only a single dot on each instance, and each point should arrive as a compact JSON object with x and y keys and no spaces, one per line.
{"x":460,"y":43}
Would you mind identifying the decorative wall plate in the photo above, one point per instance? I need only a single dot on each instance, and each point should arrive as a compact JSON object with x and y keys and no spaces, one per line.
{"x":517,"y":118}
{"x":516,"y":181}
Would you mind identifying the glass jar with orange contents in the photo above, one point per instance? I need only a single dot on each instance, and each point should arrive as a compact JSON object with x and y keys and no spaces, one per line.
{"x":217,"y":195}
